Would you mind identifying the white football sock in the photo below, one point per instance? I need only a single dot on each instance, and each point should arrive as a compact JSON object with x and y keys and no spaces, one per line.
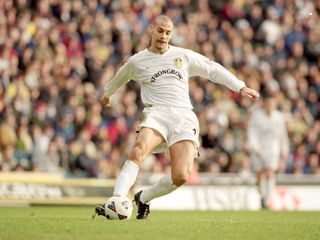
{"x":126,"y":178}
{"x":160,"y":188}
{"x":271,"y":184}
{"x":262,"y":189}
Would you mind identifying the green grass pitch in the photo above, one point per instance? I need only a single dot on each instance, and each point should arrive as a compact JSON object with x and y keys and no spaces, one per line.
{"x":75,"y":223}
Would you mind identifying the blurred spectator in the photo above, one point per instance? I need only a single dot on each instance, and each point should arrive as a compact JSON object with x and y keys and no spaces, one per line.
{"x":269,"y":144}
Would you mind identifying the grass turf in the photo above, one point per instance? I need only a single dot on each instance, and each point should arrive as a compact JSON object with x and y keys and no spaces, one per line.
{"x":75,"y":223}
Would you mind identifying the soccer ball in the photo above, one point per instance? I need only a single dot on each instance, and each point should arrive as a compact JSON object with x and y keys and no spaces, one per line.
{"x":118,"y":208}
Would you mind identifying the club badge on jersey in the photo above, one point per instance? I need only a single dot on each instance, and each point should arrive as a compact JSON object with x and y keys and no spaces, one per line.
{"x":178,"y":62}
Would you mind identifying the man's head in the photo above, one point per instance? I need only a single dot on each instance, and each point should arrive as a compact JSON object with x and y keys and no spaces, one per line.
{"x":160,"y":31}
{"x":270,"y":102}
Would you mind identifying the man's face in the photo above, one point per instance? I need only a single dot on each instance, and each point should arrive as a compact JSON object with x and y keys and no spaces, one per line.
{"x":270,"y":104}
{"x":161,"y":34}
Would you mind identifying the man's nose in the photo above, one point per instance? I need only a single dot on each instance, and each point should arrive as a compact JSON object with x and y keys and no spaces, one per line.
{"x":162,"y":35}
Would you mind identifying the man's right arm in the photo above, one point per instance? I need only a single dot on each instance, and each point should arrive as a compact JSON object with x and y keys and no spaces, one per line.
{"x":123,"y":75}
{"x":253,"y":138}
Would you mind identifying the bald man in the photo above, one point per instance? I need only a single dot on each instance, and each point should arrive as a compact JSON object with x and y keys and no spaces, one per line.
{"x":170,"y":124}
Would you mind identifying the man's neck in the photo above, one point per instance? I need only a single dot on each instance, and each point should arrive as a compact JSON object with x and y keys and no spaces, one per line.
{"x":159,"y":50}
{"x":269,"y":111}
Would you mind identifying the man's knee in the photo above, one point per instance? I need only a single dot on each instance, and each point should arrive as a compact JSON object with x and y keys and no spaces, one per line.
{"x":137,"y":153}
{"x":180,"y":178}
{"x":270,"y":173}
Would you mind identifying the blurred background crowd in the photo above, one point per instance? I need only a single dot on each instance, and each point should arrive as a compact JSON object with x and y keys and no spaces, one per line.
{"x":56,"y":56}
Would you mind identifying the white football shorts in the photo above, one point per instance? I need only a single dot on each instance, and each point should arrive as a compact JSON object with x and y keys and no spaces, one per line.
{"x":267,"y":161}
{"x":174,"y":124}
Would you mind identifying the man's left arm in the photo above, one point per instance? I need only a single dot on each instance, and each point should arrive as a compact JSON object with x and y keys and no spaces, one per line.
{"x":284,"y":138}
{"x":202,"y":66}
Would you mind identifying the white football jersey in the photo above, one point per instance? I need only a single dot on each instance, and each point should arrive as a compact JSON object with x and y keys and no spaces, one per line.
{"x":164,"y":77}
{"x":268,"y":134}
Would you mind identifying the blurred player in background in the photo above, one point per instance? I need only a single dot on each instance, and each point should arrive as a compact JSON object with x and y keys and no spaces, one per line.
{"x":268,"y":143}
{"x":170,"y":124}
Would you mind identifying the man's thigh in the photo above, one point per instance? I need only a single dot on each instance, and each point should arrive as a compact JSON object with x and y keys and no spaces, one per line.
{"x":148,"y":138}
{"x":182,"y":156}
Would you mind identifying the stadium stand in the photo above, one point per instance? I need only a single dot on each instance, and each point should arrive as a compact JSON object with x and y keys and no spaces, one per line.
{"x":56,"y":55}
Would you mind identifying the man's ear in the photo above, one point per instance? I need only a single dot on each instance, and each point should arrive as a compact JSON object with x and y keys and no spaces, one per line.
{"x":150,"y":28}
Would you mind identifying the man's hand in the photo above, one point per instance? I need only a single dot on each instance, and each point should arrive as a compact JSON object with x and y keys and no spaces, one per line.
{"x":105,"y":102}
{"x":249,"y":92}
